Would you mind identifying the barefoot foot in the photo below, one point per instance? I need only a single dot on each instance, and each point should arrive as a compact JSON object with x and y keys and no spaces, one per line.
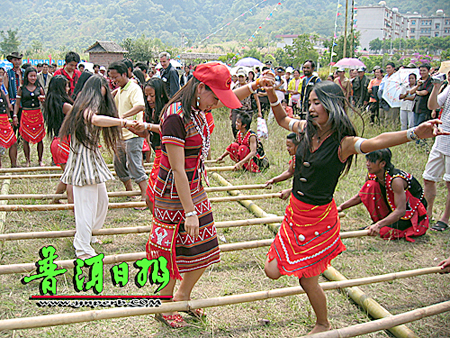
{"x":320,"y":328}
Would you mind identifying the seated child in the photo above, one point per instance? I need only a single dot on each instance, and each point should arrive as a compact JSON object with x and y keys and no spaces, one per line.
{"x":247,"y":150}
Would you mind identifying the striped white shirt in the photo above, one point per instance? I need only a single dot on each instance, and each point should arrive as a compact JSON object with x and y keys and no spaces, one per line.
{"x":85,"y":166}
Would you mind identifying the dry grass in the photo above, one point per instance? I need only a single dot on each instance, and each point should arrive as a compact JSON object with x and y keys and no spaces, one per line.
{"x":239,"y":272}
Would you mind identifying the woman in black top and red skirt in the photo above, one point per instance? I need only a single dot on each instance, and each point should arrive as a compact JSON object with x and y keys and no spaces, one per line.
{"x":309,"y":235}
{"x":7,"y":136}
{"x":32,"y":121}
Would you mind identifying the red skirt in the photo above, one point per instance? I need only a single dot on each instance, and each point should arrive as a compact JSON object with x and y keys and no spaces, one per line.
{"x":32,"y":125}
{"x":60,"y":150}
{"x":153,"y":176}
{"x":238,"y":152}
{"x":308,"y":239}
{"x":7,"y":136}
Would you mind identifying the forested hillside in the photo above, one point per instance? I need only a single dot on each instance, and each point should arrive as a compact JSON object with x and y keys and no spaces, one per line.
{"x":78,"y":23}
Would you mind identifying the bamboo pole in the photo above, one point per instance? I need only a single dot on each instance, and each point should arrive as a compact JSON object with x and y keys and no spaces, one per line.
{"x":122,"y":193}
{"x":88,"y":316}
{"x":26,"y":267}
{"x":4,"y":191}
{"x":124,"y":205}
{"x":45,"y":176}
{"x":385,"y":323}
{"x":252,"y":207}
{"x":369,"y":305}
{"x":56,"y":168}
{"x":127,"y":230}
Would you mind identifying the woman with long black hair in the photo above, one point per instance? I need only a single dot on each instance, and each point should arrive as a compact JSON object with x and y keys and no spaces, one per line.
{"x":309,"y":235}
{"x":93,"y":113}
{"x":57,"y":105}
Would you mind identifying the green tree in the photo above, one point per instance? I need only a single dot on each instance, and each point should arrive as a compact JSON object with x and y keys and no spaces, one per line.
{"x":301,"y":49}
{"x":375,"y":45}
{"x":10,"y":41}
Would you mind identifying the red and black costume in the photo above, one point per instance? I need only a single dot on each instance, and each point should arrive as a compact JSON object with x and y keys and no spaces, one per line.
{"x":379,"y":201}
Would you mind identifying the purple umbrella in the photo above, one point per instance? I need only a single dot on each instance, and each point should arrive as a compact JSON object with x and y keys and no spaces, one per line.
{"x":349,"y":63}
{"x":249,"y":62}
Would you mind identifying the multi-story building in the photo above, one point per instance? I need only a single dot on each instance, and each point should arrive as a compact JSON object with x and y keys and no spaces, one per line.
{"x":380,"y":22}
{"x":428,"y":26}
{"x":388,"y":24}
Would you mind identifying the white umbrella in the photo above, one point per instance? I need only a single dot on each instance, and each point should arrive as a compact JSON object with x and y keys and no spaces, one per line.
{"x":394,"y":84}
{"x":173,"y":62}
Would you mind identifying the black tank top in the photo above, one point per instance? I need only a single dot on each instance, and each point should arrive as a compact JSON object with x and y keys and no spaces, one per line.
{"x":3,"y":103}
{"x":317,"y":173}
{"x":29,"y":99}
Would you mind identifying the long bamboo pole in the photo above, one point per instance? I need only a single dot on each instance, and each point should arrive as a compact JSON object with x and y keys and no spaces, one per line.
{"x":385,"y":323}
{"x":369,"y":305}
{"x":45,"y":176}
{"x":88,"y":316}
{"x":252,"y":207}
{"x":121,"y":193}
{"x":132,"y":230}
{"x":53,"y":207}
{"x":4,"y":192}
{"x":57,"y":168}
{"x":26,"y":267}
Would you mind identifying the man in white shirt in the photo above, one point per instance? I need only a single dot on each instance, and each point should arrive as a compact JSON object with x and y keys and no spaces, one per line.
{"x":406,"y":109}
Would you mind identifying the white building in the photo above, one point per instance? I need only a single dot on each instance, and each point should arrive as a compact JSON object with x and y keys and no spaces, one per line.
{"x":428,"y":26}
{"x":380,"y":22}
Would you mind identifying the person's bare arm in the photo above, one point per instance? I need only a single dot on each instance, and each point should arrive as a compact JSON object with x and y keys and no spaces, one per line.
{"x":258,"y":104}
{"x":432,"y":100}
{"x":133,"y":111}
{"x":285,"y":175}
{"x":355,"y":200}
{"x":67,"y":107}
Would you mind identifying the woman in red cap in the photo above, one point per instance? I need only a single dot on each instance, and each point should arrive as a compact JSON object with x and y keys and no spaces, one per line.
{"x":183,"y":228}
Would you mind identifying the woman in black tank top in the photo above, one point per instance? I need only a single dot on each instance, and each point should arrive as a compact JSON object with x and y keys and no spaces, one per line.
{"x":309,"y":236}
{"x":31,"y":127}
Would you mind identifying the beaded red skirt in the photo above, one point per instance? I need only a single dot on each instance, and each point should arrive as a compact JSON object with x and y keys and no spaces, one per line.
{"x":308,"y":239}
{"x":153,"y":176}
{"x":7,"y":136}
{"x":32,"y":125}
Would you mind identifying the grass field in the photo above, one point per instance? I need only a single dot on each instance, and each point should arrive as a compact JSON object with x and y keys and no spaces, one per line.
{"x":241,"y":271}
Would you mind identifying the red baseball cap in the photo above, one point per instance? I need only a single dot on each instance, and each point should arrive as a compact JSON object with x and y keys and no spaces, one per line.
{"x":217,"y":77}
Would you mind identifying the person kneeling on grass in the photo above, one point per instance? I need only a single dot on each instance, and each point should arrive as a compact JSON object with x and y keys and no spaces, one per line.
{"x":247,"y":151}
{"x":393,"y":198}
{"x":292,"y":143}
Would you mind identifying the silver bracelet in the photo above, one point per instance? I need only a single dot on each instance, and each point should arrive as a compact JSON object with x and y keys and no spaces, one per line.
{"x":250,"y":88}
{"x":191,"y":213}
{"x":145,"y":125}
{"x":358,"y":146}
{"x":411,"y":134}
{"x":274,"y":104}
{"x":291,"y":124}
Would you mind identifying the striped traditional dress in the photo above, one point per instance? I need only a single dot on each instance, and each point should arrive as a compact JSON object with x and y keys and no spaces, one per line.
{"x":85,"y":166}
{"x":191,"y":254}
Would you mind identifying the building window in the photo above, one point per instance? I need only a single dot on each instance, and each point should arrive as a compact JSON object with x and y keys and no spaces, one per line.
{"x":436,"y":34}
{"x":437,"y":26}
{"x":413,"y":22}
{"x":413,"y":30}
{"x":447,"y":22}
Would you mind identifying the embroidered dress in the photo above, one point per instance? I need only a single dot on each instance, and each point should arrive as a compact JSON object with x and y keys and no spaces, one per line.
{"x":241,"y":148}
{"x":7,"y":136}
{"x":309,"y":235}
{"x":32,"y":121}
{"x":380,"y":202}
{"x":168,"y":235}
{"x":60,"y":150}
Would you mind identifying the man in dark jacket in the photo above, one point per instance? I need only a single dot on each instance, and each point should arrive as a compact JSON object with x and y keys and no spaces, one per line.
{"x":360,"y":92}
{"x":169,"y":74}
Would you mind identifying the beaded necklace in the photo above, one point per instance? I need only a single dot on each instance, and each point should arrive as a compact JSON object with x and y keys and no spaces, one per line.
{"x":206,"y":139}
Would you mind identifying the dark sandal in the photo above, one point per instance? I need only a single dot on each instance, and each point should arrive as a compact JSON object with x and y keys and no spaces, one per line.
{"x":439,"y":226}
{"x":172,"y":321}
{"x":196,"y":313}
